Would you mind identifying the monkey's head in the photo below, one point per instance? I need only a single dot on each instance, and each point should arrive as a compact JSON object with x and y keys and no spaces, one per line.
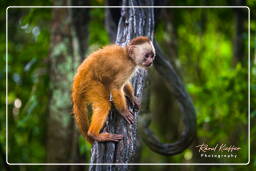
{"x":141,"y":51}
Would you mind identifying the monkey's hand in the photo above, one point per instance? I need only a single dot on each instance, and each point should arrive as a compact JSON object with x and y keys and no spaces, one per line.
{"x":137,"y":104}
{"x":128,"y":116}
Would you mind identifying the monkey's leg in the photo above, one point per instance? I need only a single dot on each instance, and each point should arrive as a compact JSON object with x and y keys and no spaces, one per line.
{"x":121,"y":106}
{"x":99,"y":116}
{"x":100,"y":106}
{"x":128,"y":89}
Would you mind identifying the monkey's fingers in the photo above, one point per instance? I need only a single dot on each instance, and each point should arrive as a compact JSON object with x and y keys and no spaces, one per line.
{"x":132,"y":113}
{"x":129,"y":118}
{"x":115,"y":137}
{"x":111,"y":137}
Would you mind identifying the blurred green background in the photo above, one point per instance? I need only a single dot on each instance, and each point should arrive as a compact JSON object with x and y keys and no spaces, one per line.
{"x":208,"y":48}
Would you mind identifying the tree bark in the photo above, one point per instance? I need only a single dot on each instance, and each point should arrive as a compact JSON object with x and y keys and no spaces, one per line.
{"x":68,"y":44}
{"x":59,"y":121}
{"x":133,"y":22}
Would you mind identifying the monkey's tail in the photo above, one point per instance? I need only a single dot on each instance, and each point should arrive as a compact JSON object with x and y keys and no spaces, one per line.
{"x":81,"y":114}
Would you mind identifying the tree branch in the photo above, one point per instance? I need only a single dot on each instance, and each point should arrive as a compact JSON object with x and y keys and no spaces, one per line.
{"x":176,"y":86}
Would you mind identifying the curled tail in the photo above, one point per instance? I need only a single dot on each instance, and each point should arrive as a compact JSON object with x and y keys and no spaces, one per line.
{"x":81,"y":113}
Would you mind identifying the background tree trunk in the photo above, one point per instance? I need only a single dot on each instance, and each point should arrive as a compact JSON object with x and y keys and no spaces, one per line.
{"x":60,"y":125}
{"x":68,"y":38}
{"x":239,"y":47}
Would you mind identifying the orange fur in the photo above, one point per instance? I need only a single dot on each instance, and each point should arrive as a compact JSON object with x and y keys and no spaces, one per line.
{"x":128,"y":89}
{"x":102,"y":73}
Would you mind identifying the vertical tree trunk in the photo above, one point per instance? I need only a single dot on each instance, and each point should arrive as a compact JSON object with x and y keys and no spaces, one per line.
{"x":59,"y":122}
{"x":238,"y":51}
{"x":79,"y":30}
{"x":68,"y":44}
{"x":133,"y":22}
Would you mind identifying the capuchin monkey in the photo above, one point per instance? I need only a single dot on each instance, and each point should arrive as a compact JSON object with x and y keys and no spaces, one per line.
{"x":103,"y":73}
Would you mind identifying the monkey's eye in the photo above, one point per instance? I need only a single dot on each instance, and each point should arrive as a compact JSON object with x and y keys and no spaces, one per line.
{"x":149,"y":55}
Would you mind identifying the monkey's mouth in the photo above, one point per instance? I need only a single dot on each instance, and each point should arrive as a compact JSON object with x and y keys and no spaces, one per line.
{"x":148,"y":64}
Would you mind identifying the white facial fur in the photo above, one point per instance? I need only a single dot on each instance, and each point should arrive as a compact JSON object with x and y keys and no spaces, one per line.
{"x":153,"y":48}
{"x":140,"y":50}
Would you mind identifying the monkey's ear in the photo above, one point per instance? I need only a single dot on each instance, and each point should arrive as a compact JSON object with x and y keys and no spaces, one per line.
{"x":131,"y":51}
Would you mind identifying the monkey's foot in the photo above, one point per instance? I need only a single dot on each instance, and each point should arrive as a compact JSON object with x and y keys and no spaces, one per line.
{"x":108,"y":137}
{"x":128,"y":116}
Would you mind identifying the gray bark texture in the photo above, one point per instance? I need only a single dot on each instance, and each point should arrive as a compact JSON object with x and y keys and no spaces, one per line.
{"x":135,"y":22}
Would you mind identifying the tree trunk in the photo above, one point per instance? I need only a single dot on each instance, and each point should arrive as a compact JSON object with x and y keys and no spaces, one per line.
{"x":239,"y":47}
{"x":133,"y":22}
{"x":68,"y":44}
{"x":59,"y":122}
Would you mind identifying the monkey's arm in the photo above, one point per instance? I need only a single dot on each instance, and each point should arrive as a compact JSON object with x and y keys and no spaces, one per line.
{"x":128,"y":89}
{"x":120,"y":104}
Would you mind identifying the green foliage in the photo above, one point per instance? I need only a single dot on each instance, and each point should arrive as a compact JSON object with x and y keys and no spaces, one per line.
{"x":98,"y":35}
{"x":28,"y":46}
{"x":219,"y":88}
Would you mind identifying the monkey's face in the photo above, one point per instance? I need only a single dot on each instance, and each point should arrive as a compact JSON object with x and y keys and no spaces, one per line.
{"x":143,"y":54}
{"x":148,"y":58}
